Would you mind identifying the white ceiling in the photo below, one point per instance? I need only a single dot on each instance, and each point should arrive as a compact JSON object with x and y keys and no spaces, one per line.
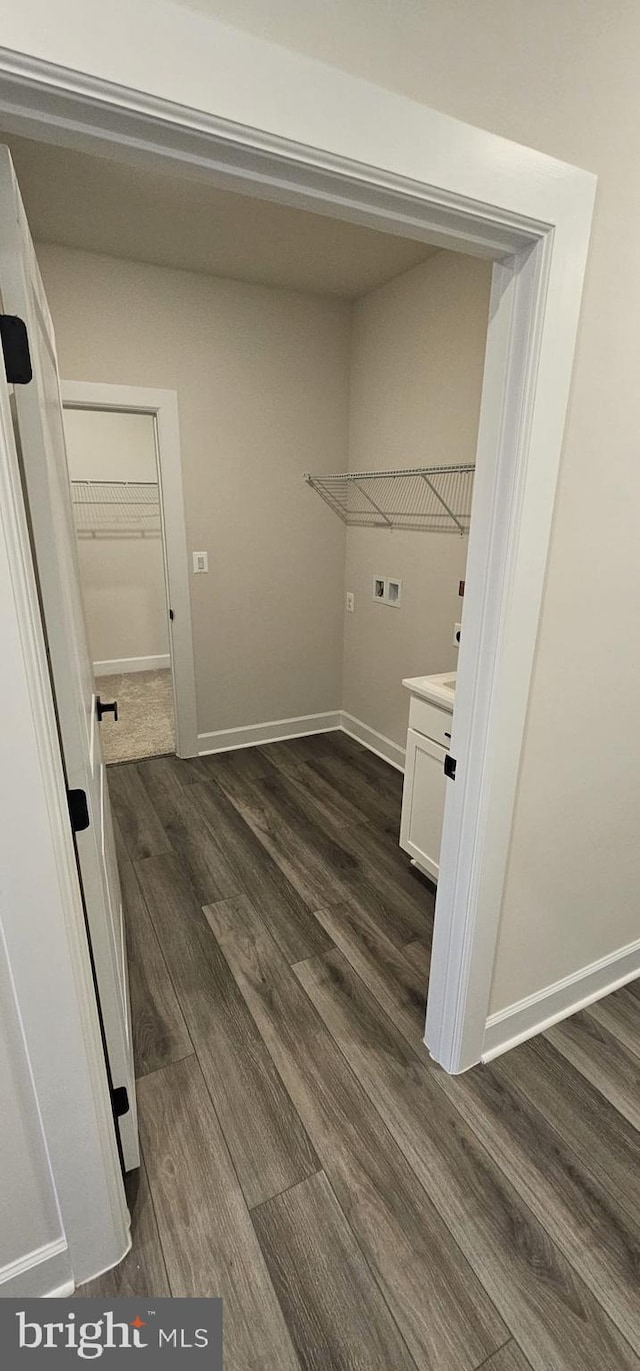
{"x":91,"y":202}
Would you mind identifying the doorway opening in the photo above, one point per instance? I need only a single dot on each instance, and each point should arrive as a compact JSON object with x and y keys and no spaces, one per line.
{"x":125,"y":473}
{"x":274,"y":382}
{"x":115,"y":493}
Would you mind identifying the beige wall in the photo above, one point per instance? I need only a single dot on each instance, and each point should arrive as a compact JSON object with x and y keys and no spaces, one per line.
{"x":416,"y":375}
{"x":564,"y":79}
{"x":122,"y":578}
{"x":262,"y":379}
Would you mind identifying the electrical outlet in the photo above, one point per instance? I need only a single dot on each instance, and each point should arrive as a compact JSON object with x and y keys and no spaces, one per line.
{"x":457,"y":630}
{"x":200,"y":561}
{"x":350,"y":602}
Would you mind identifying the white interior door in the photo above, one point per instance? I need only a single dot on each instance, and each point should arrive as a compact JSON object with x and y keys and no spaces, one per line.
{"x":38,"y":422}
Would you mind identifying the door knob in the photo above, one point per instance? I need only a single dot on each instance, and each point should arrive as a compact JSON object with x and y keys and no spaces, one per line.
{"x":110,"y":708}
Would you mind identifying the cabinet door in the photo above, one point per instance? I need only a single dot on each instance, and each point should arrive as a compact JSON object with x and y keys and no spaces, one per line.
{"x":423,"y":797}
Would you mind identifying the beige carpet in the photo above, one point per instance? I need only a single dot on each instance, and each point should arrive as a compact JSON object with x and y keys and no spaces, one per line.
{"x":145,"y":726}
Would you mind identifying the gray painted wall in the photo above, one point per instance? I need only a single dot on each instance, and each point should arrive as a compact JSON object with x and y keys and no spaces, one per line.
{"x":262,"y":382}
{"x":417,"y":354}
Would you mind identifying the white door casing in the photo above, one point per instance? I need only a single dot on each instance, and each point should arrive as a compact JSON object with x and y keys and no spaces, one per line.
{"x":39,"y":431}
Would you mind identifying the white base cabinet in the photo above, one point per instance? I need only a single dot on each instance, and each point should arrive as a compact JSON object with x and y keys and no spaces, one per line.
{"x":424,"y":790}
{"x":423,"y":801}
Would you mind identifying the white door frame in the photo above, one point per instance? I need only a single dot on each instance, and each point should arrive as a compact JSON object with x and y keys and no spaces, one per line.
{"x":162,"y":405}
{"x":289,"y":129}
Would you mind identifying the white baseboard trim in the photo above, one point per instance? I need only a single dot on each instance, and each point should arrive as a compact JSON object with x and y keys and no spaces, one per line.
{"x":251,"y":735}
{"x":117,"y":665}
{"x":278,"y":730}
{"x":532,"y":1015}
{"x":376,"y":742}
{"x":41,"y":1272}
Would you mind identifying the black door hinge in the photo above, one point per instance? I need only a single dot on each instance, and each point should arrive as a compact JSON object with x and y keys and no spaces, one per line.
{"x":171,"y":614}
{"x":120,"y":1101}
{"x":78,"y":810}
{"x":15,"y":349}
{"x":450,"y":767}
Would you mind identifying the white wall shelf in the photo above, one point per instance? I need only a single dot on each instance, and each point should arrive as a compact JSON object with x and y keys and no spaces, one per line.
{"x":115,"y":507}
{"x":435,"y":499}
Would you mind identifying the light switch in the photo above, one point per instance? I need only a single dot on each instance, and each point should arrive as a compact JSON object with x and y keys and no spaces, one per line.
{"x":350,"y":601}
{"x":201,"y":561}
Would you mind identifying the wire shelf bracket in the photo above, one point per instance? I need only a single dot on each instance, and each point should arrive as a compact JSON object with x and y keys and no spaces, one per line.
{"x":434,"y":499}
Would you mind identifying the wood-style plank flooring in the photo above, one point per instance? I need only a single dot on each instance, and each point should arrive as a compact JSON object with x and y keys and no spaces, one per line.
{"x":356,"y":1207}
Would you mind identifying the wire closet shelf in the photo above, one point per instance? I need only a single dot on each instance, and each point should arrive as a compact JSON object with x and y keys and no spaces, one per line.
{"x":116,"y":508}
{"x":435,"y":499}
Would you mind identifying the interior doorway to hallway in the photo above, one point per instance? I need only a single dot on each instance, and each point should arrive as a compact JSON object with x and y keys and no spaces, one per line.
{"x":115,"y":494}
{"x":125,"y":470}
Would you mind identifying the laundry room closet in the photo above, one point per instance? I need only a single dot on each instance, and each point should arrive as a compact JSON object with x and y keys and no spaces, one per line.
{"x":295,"y":345}
{"x":308,"y":554}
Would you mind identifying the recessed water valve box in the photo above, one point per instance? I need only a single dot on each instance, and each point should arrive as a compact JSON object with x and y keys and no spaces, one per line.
{"x":387,"y":589}
{"x":379,"y":588}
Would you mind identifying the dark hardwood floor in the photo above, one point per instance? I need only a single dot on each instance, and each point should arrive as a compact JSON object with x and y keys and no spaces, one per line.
{"x":357,"y":1208}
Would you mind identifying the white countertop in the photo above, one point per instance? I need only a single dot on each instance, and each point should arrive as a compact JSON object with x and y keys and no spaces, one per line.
{"x":440,"y":690}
